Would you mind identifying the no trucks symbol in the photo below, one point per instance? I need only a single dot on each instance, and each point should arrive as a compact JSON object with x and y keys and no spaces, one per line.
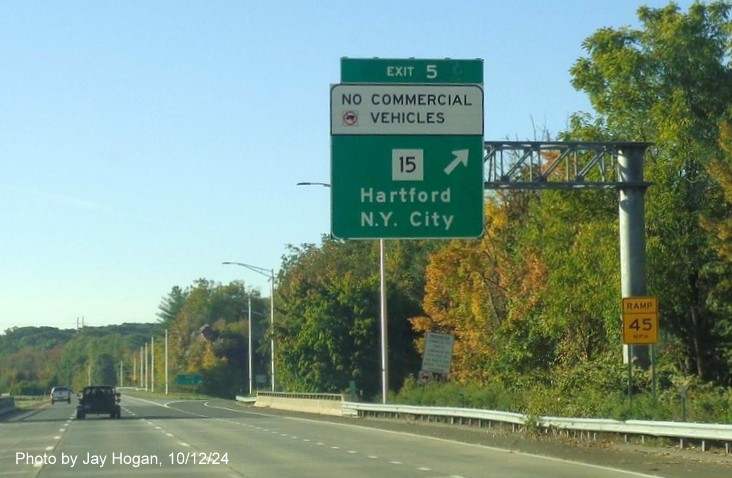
{"x":350,"y":118}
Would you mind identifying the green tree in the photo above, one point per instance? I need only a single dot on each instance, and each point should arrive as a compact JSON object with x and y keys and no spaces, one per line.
{"x":171,"y":306}
{"x":328,"y":327}
{"x":104,"y":370}
{"x":670,"y":83}
{"x":207,"y":334}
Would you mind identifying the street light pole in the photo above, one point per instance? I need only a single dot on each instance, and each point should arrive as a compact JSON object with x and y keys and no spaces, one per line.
{"x":249,"y":359}
{"x":269,"y":273}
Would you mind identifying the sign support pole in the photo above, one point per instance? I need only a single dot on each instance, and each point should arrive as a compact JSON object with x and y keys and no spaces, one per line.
{"x":384,"y":332}
{"x":632,"y":232}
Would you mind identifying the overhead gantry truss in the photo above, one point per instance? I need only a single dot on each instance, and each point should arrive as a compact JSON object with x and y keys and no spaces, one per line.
{"x":559,"y":165}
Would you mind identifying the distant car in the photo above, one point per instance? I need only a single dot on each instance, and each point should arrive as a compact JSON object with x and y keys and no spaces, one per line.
{"x":60,"y":394}
{"x":99,"y":400}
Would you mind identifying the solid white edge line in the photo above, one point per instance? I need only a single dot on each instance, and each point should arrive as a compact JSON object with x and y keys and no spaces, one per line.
{"x":485,"y":447}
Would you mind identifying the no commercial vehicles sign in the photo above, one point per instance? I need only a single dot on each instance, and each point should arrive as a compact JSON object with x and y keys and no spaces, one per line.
{"x":406,"y":110}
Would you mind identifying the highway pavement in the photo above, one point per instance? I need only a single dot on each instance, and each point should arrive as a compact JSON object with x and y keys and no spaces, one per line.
{"x":218,"y":438}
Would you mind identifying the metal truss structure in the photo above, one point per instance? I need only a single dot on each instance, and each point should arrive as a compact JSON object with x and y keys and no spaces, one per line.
{"x":558,"y":165}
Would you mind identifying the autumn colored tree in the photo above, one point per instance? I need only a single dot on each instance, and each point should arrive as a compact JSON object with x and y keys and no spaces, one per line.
{"x":720,"y":169}
{"x":463,"y":297}
{"x":720,"y":227}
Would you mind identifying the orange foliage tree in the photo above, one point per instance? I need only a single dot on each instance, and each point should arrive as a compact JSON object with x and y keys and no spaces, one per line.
{"x":464,"y":297}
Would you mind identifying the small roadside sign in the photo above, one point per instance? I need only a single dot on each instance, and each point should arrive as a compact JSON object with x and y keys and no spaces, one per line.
{"x":640,"y":320}
{"x":437,"y":356}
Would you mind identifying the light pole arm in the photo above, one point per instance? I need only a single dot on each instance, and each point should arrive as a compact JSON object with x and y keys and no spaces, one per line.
{"x":261,"y":270}
{"x":269,"y":273}
{"x":309,"y":183}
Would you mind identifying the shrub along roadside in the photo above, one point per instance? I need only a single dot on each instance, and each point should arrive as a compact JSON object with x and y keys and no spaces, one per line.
{"x":686,"y":400}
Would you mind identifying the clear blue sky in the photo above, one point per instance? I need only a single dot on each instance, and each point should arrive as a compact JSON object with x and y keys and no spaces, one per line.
{"x":142,"y":143}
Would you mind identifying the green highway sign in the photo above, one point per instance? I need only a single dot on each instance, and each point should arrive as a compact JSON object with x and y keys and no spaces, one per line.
{"x":407,"y":186}
{"x":410,"y":70}
{"x":192,"y":379}
{"x":407,"y":155}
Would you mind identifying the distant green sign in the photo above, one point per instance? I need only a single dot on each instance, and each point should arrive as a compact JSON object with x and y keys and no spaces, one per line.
{"x":190,"y":380}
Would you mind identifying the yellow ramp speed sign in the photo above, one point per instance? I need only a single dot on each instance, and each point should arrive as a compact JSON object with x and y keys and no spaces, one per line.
{"x":640,"y":320}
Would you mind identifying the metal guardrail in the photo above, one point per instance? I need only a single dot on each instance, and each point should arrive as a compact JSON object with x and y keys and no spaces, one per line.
{"x":309,"y":396}
{"x":683,"y":431}
{"x":589,"y":427}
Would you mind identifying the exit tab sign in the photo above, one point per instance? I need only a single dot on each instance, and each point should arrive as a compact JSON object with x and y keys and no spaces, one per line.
{"x":411,"y":70}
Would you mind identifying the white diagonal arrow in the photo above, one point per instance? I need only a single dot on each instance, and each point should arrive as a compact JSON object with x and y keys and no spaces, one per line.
{"x":461,"y":156}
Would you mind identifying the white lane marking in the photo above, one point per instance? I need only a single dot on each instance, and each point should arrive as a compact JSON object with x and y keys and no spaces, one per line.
{"x":57,"y":437}
{"x":169,"y":434}
{"x":182,"y":443}
{"x":424,"y":468}
{"x":167,"y":405}
{"x":394,"y":462}
{"x":49,"y":448}
{"x":472,"y":445}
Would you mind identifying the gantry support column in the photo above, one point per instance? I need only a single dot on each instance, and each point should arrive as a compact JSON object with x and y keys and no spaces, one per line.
{"x":632,"y":233}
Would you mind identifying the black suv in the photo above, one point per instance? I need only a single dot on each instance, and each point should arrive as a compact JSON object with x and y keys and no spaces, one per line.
{"x":100,"y":400}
